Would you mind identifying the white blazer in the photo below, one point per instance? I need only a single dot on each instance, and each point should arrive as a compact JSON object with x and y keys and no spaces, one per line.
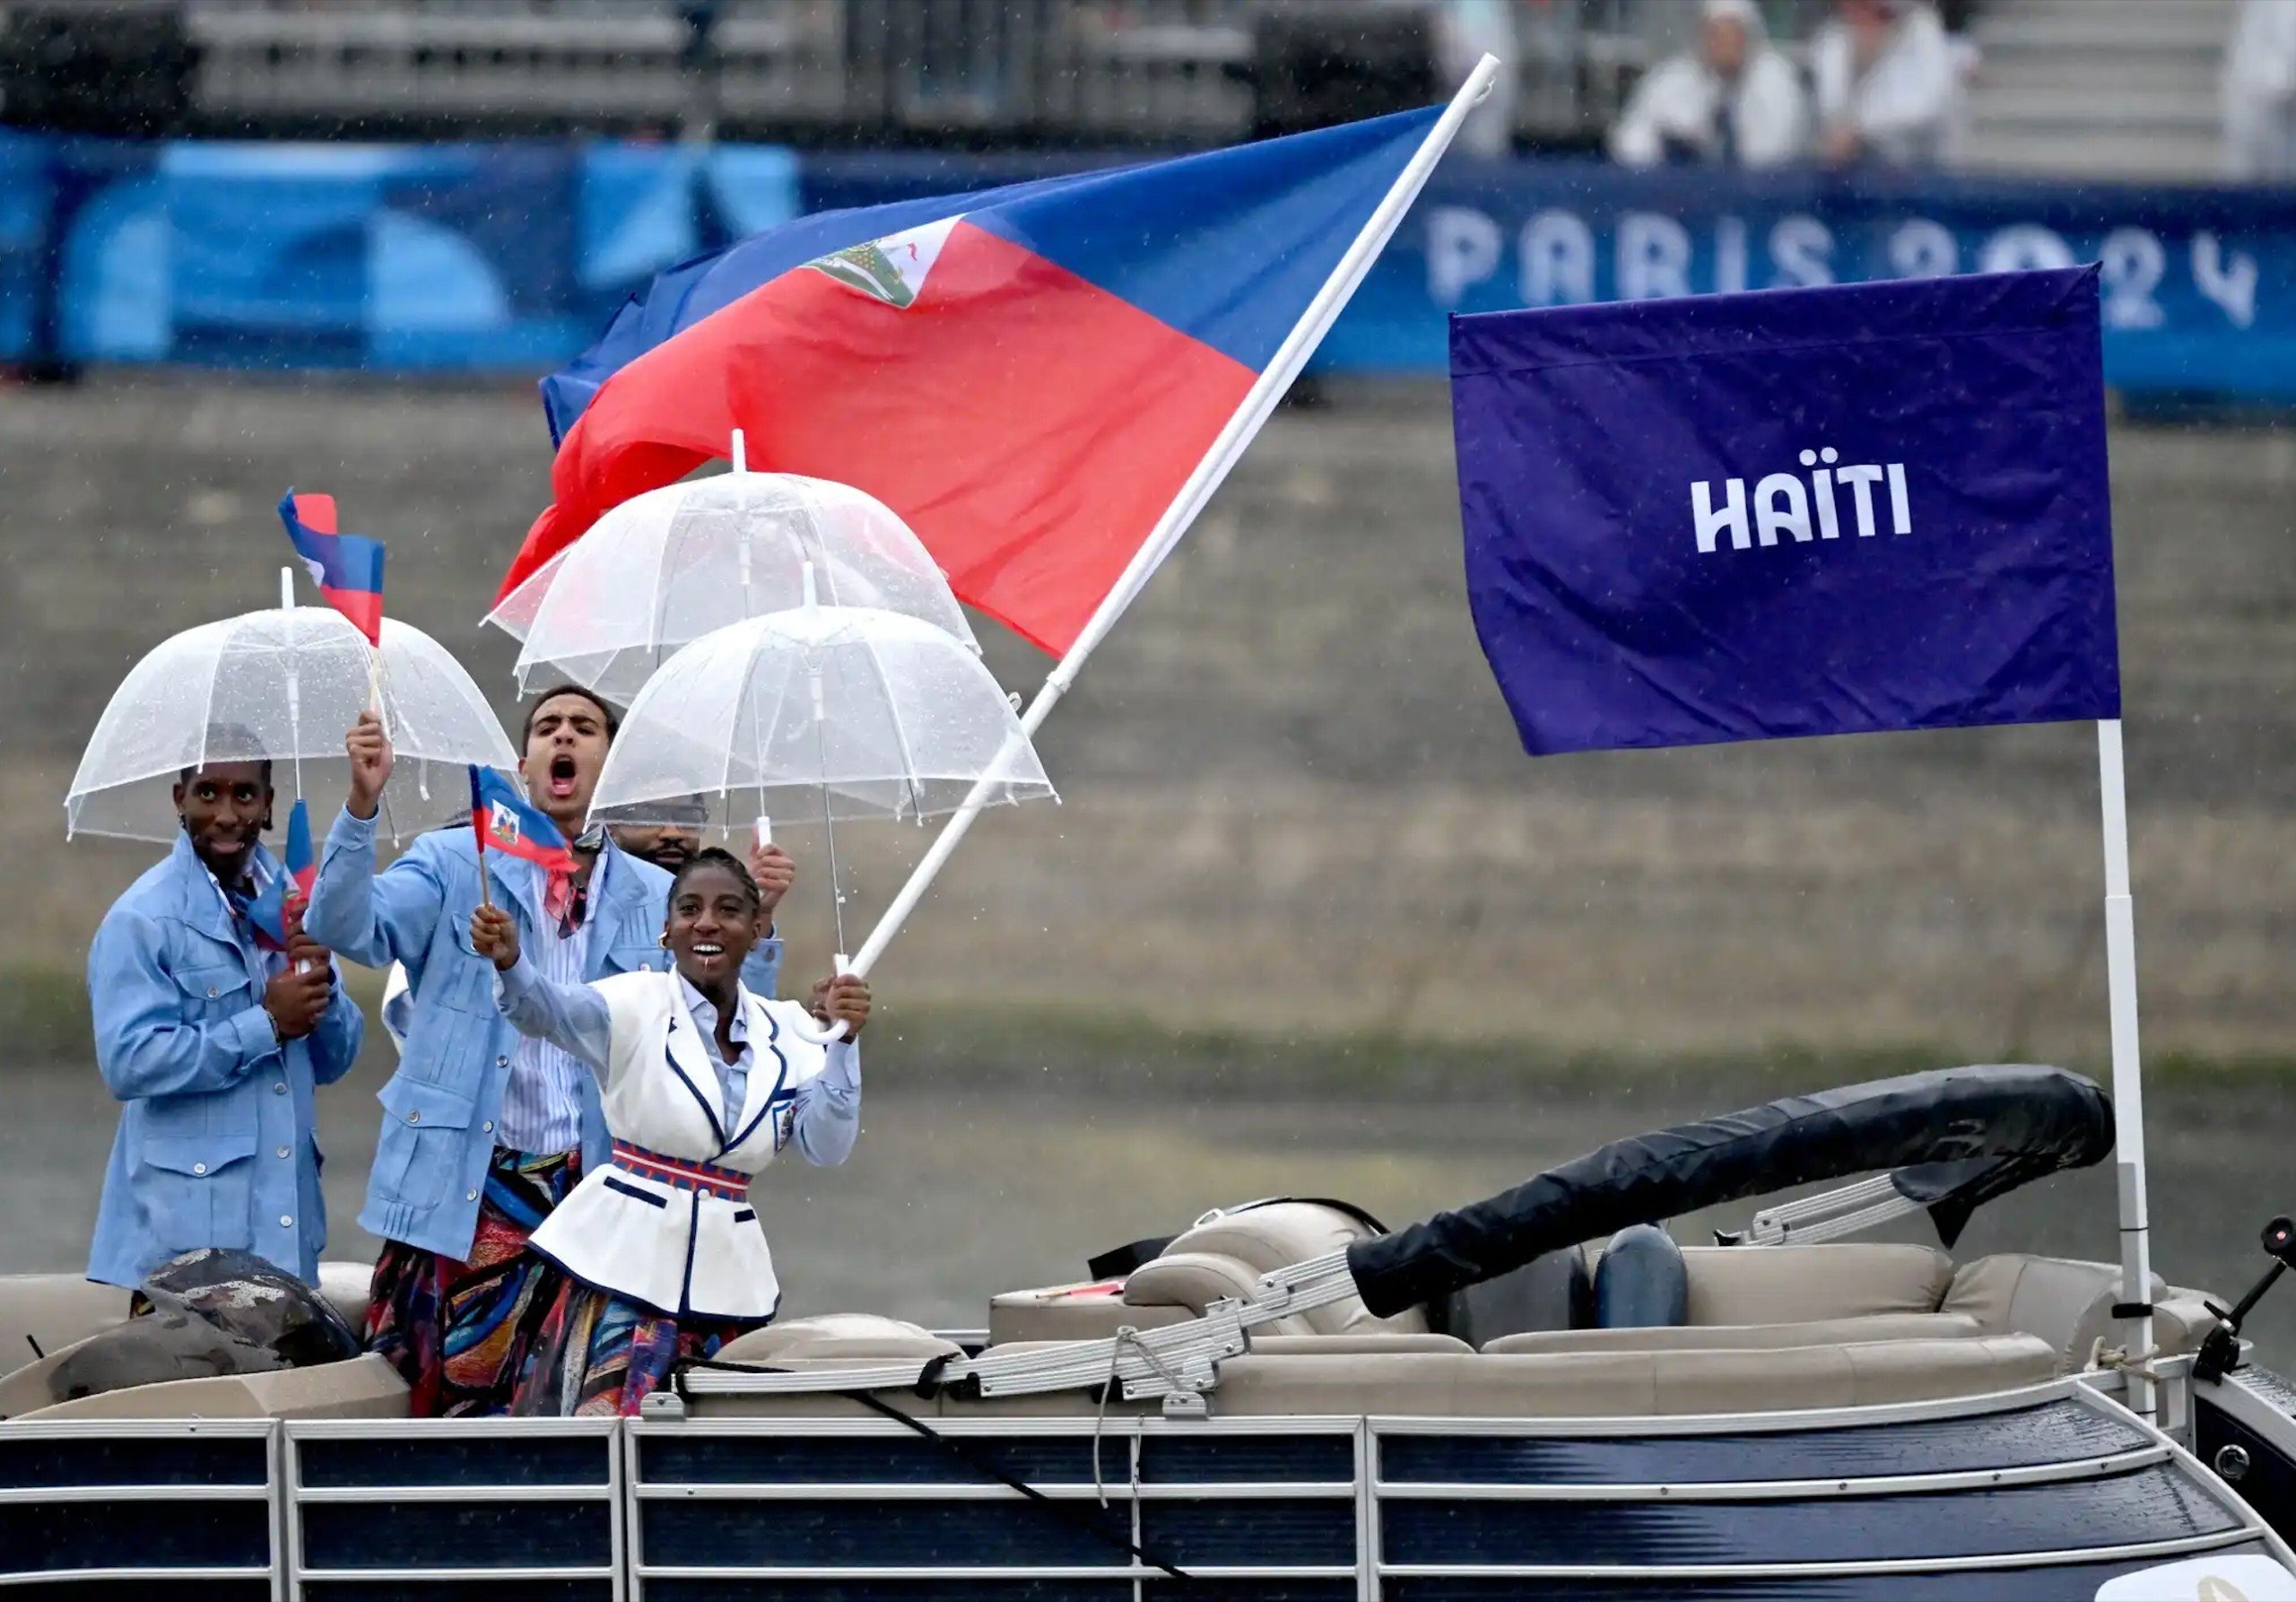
{"x":667,"y":1225}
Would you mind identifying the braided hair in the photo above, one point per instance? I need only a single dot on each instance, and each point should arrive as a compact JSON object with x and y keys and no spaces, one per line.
{"x":719,"y":857}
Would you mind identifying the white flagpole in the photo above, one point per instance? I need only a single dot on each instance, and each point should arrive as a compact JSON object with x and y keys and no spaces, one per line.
{"x":2128,"y":1066}
{"x":1290,"y":357}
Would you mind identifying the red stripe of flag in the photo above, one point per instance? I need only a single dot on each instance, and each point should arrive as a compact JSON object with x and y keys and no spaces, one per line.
{"x":1029,"y":425}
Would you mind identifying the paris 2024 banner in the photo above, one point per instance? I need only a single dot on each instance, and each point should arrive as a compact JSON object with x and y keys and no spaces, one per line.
{"x":511,"y":257}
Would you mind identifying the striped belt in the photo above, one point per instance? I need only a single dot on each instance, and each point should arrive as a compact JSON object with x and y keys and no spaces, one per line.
{"x":725,"y":1183}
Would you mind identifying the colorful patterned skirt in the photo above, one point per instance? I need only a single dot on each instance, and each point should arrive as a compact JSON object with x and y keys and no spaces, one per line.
{"x":463,"y":1333}
{"x":600,"y":1355}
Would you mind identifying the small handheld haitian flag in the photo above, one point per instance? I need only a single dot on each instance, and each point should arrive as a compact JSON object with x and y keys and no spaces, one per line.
{"x":507,"y":821}
{"x":1808,"y":511}
{"x":276,"y":909}
{"x":347,"y":568}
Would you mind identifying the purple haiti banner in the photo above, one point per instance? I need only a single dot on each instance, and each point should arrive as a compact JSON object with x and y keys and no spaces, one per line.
{"x":1807,"y":511}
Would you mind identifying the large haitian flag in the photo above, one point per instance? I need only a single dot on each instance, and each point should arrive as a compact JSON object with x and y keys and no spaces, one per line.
{"x":1028,"y":375}
{"x":1793,"y":512}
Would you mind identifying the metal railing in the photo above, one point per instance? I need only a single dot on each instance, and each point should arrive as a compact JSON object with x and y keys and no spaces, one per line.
{"x":1167,"y":69}
{"x":1174,"y":71}
{"x":1330,"y":1505}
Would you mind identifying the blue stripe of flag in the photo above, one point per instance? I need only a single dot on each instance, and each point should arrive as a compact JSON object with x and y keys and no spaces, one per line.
{"x":1228,"y":247}
{"x":337,"y":562}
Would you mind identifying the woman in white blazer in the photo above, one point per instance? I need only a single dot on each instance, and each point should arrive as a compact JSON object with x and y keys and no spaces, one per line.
{"x":704,"y":1085}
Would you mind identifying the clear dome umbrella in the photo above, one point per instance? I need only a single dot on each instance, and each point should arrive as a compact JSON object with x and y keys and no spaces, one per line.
{"x":828,"y":712}
{"x":284,"y":685}
{"x":665,"y":567}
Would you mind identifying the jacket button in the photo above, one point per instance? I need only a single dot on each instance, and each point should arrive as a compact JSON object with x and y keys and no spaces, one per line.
{"x":199,"y":1168}
{"x":286,"y":1152}
{"x":286,"y":1221}
{"x":470,"y":1196}
{"x":279,"y":1089}
{"x":415,"y":1116}
{"x":501,"y":1062}
{"x":488,"y":1128}
{"x":210,"y":992}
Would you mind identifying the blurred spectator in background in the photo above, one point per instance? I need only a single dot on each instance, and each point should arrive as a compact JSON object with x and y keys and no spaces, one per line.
{"x":1888,"y":83}
{"x":1466,"y":32}
{"x":1734,"y":100}
{"x":2260,"y":93}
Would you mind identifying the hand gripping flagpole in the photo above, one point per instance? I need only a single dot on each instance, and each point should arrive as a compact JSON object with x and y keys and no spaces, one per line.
{"x":1290,"y":357}
{"x":294,"y":697}
{"x":2136,"y":1309}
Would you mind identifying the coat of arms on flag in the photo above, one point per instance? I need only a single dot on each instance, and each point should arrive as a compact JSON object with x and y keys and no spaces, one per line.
{"x":891,"y":269}
{"x":507,"y":821}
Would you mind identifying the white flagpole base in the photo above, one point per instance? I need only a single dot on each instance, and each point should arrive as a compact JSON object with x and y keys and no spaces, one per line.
{"x":2128,"y":1068}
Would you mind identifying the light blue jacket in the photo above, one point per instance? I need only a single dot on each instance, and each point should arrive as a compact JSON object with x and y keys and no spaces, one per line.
{"x":440,"y":1108}
{"x":216,"y":1145}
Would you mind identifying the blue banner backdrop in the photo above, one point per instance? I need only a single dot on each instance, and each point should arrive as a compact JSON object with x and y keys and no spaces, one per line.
{"x":509,"y":257}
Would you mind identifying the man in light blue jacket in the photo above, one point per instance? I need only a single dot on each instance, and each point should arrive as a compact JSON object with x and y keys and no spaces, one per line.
{"x":483,"y":1131}
{"x":216,"y":1045}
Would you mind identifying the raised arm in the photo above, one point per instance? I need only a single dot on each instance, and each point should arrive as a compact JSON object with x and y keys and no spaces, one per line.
{"x":372,"y":918}
{"x":574,"y":1018}
{"x":773,"y":871}
{"x":825,"y":1117}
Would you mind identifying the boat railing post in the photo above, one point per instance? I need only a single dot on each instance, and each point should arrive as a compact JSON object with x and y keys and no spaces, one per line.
{"x":2135,"y":1311}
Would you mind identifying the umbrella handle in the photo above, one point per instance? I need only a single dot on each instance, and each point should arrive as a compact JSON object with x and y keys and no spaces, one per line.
{"x":835,"y":1031}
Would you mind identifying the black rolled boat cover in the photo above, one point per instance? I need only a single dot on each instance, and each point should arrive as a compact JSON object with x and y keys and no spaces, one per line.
{"x":1960,"y":1136}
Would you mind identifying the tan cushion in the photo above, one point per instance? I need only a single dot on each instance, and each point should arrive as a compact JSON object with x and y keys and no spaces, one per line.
{"x":2181,"y":1321}
{"x":1193,"y":1280}
{"x":1091,"y":1310}
{"x":1875,"y":1326}
{"x":1313,"y":1380}
{"x":364,"y":1387}
{"x":345,"y":1286}
{"x":1282,"y":1345}
{"x":1793,"y":1284}
{"x":2066,"y":1301}
{"x":56,"y":1310}
{"x":33,"y":1385}
{"x":1370,"y":1340}
{"x":842,"y":1337}
{"x":1613,"y":1384}
{"x":1259,"y":1240}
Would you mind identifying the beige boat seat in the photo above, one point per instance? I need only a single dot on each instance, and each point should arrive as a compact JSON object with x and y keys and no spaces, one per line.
{"x":2066,"y":1302}
{"x":2181,"y":1320}
{"x":1365,"y":1341}
{"x":1227,"y":1254}
{"x":1308,"y":1378}
{"x":1719,"y":1338}
{"x":1795,"y":1284}
{"x":1087,"y":1311}
{"x":1223,"y":1256}
{"x":40,"y":1314}
{"x":1627,"y":1384}
{"x":345,"y":1287}
{"x":1294,"y":1345}
{"x":848,"y":1337}
{"x":364,"y":1387}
